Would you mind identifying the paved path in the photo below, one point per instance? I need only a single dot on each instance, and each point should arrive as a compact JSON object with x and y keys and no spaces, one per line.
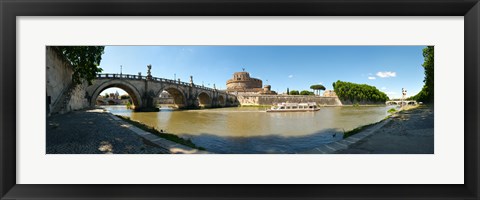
{"x":97,"y":132}
{"x":408,"y":132}
{"x":346,"y":143}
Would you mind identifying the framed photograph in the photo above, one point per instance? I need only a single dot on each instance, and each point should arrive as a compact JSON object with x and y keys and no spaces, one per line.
{"x":250,"y":100}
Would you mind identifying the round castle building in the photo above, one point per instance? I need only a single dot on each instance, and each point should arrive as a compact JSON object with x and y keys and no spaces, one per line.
{"x":242,"y":82}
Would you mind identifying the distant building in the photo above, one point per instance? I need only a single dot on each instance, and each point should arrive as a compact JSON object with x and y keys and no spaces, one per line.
{"x":241,"y":82}
{"x":165,"y":98}
{"x":112,"y":99}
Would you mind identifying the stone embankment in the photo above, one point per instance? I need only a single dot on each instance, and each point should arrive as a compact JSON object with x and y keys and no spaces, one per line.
{"x":99,"y":132}
{"x":250,"y":100}
{"x":406,"y":132}
{"x":62,"y":95}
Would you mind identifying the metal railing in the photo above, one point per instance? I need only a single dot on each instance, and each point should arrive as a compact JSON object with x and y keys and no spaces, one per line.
{"x":156,"y":79}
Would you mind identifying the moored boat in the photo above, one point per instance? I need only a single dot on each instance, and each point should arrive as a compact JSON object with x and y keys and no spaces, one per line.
{"x":294,"y":107}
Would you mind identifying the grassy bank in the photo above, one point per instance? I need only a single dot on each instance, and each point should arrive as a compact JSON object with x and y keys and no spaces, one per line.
{"x":409,"y":107}
{"x":359,"y":129}
{"x":167,"y":136}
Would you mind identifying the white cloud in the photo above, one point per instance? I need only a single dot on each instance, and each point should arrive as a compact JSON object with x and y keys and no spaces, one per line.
{"x":371,"y":78}
{"x":187,"y":50}
{"x":320,"y":83}
{"x":384,"y":88}
{"x":290,"y":76}
{"x":386,"y":74}
{"x":390,"y":93}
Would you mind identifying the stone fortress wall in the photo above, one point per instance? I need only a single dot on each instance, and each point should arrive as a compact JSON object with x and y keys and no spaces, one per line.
{"x":249,"y":91}
{"x":241,"y":83}
{"x":262,"y":100}
{"x":242,"y":80}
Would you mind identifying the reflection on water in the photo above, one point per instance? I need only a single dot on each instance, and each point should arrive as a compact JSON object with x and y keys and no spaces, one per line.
{"x":252,"y":130}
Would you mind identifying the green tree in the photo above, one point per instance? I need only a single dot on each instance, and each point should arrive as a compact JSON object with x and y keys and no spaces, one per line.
{"x":124,"y":96}
{"x":306,"y":92}
{"x":353,"y":92}
{"x":426,"y":94}
{"x":106,"y":95}
{"x":294,"y":92}
{"x":84,"y":60}
{"x":317,"y":88}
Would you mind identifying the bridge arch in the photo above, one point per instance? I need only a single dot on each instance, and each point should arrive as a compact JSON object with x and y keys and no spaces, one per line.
{"x":129,"y":88}
{"x":204,"y":99}
{"x":179,"y":98}
{"x":232,"y":100}
{"x":221,"y":100}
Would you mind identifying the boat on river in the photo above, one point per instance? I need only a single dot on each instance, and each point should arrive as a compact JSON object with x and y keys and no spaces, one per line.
{"x":294,"y":107}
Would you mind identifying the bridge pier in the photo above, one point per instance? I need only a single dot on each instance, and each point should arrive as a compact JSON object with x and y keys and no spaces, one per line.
{"x":148,"y":101}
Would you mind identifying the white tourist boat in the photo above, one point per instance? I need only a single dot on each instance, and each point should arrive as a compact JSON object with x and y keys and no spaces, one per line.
{"x":294,"y":107}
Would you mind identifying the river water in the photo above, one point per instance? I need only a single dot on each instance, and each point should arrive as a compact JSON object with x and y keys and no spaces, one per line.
{"x":252,"y":130}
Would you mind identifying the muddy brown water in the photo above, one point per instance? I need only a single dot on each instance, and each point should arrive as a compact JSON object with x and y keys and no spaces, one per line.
{"x":252,"y":130}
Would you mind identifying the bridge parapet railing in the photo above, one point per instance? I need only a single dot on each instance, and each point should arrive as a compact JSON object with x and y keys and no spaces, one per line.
{"x":204,"y":88}
{"x":122,"y":76}
{"x":157,"y":79}
{"x":164,"y":80}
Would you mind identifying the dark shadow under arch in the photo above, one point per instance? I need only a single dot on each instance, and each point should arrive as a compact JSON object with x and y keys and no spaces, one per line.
{"x":204,"y":99}
{"x":221,"y":101}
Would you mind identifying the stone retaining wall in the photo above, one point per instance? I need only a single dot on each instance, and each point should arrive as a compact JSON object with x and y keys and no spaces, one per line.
{"x":58,"y":78}
{"x":79,"y":99}
{"x":272,"y":99}
{"x":58,"y":82}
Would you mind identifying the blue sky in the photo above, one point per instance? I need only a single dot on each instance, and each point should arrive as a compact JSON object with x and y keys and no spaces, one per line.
{"x":389,"y":68}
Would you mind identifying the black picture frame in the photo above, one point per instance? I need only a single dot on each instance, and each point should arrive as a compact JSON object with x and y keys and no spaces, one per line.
{"x":10,"y":9}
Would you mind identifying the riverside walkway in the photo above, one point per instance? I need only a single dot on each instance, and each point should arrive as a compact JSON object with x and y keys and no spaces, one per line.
{"x":406,"y":132}
{"x":99,"y":132}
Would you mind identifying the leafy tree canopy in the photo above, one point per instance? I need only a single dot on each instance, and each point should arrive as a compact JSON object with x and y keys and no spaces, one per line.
{"x":294,"y":92}
{"x":84,"y":60}
{"x":358,"y":92}
{"x":426,"y":94}
{"x":125,"y":96}
{"x":317,"y":87}
{"x":306,"y":92}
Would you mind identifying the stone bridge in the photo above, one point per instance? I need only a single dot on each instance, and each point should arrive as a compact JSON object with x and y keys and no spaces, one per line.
{"x":400,"y":102}
{"x":145,"y":91}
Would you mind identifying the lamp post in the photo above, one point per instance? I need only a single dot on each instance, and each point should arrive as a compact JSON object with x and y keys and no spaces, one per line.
{"x":121,"y":70}
{"x":174,"y":76}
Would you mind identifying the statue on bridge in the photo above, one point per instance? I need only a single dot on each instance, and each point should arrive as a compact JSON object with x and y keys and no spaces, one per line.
{"x":149,"y":73}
